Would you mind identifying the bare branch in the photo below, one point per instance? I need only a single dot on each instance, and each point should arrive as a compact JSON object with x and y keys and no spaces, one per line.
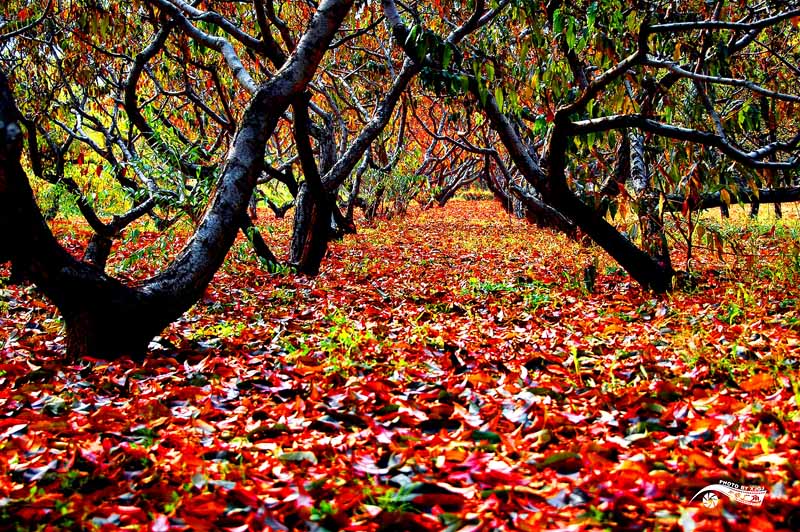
{"x":753,"y":159}
{"x":734,"y":82}
{"x":674,"y":27}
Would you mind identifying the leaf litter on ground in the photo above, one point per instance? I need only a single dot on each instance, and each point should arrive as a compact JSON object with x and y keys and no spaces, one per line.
{"x":447,"y":370}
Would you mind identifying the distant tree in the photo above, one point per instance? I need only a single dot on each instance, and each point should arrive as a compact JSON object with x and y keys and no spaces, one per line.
{"x":571,"y":111}
{"x":581,"y":92}
{"x":316,"y":202}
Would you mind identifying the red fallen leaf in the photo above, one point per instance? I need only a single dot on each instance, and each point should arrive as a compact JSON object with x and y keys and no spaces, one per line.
{"x":201,"y":511}
{"x":440,"y":411}
{"x":480,"y":377}
{"x":109,"y":419}
{"x":199,"y":523}
{"x":304,"y":370}
{"x":406,"y":521}
{"x":381,"y":387}
{"x":241,"y":528}
{"x":188,"y":393}
{"x":761,"y":524}
{"x":244,"y":497}
{"x":153,"y":410}
{"x":134,"y":512}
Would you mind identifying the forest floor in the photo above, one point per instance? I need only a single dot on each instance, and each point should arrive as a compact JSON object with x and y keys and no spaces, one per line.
{"x":448,"y":370}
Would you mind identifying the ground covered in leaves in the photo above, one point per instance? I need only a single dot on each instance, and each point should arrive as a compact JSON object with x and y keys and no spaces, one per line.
{"x":447,"y":371}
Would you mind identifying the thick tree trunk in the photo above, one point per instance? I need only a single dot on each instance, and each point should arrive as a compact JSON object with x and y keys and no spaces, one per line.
{"x":645,"y":269}
{"x":312,"y":220}
{"x":460,"y":182}
{"x":543,"y":215}
{"x":640,"y":265}
{"x":103,"y":316}
{"x":98,"y":250}
{"x":310,"y":233}
{"x":313,"y":216}
{"x":553,"y":187}
{"x":340,"y":224}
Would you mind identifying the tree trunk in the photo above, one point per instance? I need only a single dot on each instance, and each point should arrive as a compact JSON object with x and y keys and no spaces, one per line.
{"x":371,"y":212}
{"x":648,"y":271}
{"x":641,"y":266}
{"x":651,"y":224}
{"x":260,"y":247}
{"x":352,"y":199}
{"x":312,"y":215}
{"x":310,"y":233}
{"x":552,"y":185}
{"x":543,"y":215}
{"x":98,"y":250}
{"x":340,"y":224}
{"x":103,"y":316}
{"x":312,"y":227}
{"x":755,"y":206}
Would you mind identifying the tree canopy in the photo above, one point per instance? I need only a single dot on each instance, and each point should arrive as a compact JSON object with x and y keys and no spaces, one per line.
{"x":570,"y":113}
{"x":384,"y":265}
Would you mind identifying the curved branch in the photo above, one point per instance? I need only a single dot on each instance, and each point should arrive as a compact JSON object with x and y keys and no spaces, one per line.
{"x":216,"y":43}
{"x":752,"y":159}
{"x":20,"y":31}
{"x":733,"y":82}
{"x":674,"y":27}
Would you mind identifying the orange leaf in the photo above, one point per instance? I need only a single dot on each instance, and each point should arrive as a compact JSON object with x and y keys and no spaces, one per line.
{"x":759,"y":381}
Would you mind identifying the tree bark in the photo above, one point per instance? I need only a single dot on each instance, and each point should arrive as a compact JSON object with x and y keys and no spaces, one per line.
{"x":310,"y":233}
{"x":651,"y":224}
{"x":98,"y":250}
{"x":257,"y":242}
{"x":543,"y":215}
{"x":103,"y":316}
{"x":312,"y":219}
{"x":553,"y":186}
{"x":745,"y":196}
{"x":352,"y":199}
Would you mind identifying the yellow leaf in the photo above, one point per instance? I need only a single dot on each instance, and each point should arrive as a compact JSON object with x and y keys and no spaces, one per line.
{"x":753,"y":187}
{"x":725,"y":197}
